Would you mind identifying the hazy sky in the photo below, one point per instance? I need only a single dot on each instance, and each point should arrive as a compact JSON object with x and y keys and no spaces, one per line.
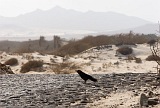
{"x":146,"y":9}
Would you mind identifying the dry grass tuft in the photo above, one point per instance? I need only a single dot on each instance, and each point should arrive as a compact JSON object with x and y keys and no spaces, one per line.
{"x":64,"y":68}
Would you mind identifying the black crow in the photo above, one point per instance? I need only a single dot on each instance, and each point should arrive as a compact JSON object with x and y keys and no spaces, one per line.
{"x":85,"y":76}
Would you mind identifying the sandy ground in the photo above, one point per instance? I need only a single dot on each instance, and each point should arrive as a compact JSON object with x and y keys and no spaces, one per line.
{"x":120,"y":99}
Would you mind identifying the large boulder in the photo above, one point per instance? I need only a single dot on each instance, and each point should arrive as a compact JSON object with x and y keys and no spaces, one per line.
{"x":4,"y":69}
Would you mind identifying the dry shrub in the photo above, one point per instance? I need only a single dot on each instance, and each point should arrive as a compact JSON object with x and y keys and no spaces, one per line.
{"x":11,"y":62}
{"x":72,"y":48}
{"x":151,"y":42}
{"x":64,"y":68}
{"x":75,"y":47}
{"x":153,"y":58}
{"x":130,"y":57}
{"x":125,"y":50}
{"x":23,"y":50}
{"x":88,"y":64}
{"x":30,"y":65}
{"x":138,"y":60}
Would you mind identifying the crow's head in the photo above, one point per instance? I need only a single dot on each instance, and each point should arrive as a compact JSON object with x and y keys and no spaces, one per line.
{"x":78,"y":71}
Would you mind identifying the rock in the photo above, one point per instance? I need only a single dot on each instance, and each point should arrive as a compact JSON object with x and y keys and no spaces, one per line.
{"x":121,"y":103}
{"x":3,"y":100}
{"x":150,"y":94}
{"x":143,"y":100}
{"x":152,"y":101}
{"x":136,"y":94}
{"x":4,"y":69}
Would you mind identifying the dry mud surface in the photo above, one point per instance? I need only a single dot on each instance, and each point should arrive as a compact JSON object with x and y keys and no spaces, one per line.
{"x":66,"y":90}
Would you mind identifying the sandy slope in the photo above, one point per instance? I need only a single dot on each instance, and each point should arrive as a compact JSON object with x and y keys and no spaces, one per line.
{"x":93,"y":61}
{"x":107,"y":57}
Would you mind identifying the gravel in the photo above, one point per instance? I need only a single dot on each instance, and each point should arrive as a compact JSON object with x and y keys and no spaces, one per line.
{"x":65,"y":90}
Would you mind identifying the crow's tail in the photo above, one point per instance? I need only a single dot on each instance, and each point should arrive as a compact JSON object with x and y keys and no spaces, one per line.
{"x":93,"y":79}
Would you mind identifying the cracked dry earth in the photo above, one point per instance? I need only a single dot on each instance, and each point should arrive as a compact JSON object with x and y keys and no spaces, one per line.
{"x":66,"y":90}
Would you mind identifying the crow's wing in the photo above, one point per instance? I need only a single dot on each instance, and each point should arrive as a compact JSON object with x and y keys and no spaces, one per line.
{"x":92,"y":79}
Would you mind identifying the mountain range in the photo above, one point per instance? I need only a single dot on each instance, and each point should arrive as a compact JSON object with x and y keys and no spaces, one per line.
{"x":68,"y":21}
